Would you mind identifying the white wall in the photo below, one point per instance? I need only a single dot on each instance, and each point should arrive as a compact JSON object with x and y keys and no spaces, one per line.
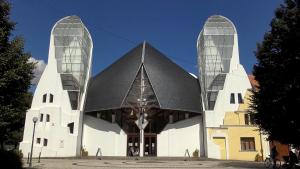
{"x":60,"y":141}
{"x":177,"y":137}
{"x":109,"y":137}
{"x":236,"y":82}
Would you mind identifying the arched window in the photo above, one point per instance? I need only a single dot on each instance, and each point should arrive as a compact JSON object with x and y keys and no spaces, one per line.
{"x":41,"y":117}
{"x":51,"y":98}
{"x":48,"y":118}
{"x":44,"y":98}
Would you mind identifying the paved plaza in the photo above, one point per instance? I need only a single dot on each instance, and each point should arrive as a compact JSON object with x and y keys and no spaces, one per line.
{"x":143,"y":163}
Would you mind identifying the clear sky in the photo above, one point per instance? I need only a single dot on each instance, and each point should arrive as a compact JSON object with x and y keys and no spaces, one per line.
{"x":116,"y":26}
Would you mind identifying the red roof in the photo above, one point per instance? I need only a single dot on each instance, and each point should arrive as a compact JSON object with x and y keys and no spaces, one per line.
{"x":254,"y":83}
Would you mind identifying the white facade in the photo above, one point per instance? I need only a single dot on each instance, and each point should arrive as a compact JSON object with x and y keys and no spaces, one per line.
{"x":60,"y":94}
{"x":63,"y":130}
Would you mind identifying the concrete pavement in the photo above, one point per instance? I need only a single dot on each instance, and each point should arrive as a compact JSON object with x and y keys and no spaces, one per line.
{"x":144,"y":164}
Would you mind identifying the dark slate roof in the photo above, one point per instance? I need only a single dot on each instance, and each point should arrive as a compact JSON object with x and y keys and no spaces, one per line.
{"x":175,"y":88}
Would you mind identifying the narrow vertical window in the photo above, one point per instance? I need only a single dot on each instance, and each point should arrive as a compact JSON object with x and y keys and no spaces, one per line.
{"x":251,"y":117}
{"x":71,"y":127}
{"x":247,"y":122}
{"x":48,"y":118}
{"x":240,"y":98}
{"x":51,"y":98}
{"x":44,"y":98}
{"x":38,"y":140}
{"x":45,"y":142}
{"x":41,"y":117}
{"x":232,"y":100}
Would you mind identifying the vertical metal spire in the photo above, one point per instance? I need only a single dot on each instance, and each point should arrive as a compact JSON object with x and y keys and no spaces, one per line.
{"x":143,"y":51}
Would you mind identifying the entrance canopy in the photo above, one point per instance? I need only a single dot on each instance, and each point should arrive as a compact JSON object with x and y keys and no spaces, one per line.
{"x":163,"y":82}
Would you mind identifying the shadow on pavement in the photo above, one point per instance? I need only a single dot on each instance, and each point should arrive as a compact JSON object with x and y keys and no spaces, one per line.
{"x":241,"y":164}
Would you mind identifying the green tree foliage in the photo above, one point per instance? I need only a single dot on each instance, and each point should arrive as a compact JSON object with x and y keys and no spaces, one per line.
{"x":15,"y":77}
{"x":277,"y":100}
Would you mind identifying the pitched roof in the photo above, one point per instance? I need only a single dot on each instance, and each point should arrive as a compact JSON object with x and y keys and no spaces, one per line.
{"x":174,"y":88}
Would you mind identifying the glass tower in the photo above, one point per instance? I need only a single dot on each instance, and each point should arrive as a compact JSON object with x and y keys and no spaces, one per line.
{"x":215,"y":50}
{"x":72,"y":44}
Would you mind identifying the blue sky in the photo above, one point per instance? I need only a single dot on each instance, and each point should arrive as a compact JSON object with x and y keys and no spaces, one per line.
{"x":116,"y":26}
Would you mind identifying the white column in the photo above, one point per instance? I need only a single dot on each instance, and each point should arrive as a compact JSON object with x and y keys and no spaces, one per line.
{"x":141,"y":142}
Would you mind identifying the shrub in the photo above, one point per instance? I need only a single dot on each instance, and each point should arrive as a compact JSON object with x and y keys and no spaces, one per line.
{"x":10,"y":159}
{"x":84,"y":153}
{"x":258,"y":157}
{"x":19,"y":153}
{"x":196,"y":153}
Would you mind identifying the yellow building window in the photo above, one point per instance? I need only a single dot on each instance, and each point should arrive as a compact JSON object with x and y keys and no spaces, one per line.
{"x":249,"y":120}
{"x":247,"y":144}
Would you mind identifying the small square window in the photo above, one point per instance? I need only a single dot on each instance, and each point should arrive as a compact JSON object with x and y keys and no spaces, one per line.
{"x":44,"y":98}
{"x":48,"y":118}
{"x":247,"y":144}
{"x":38,"y":140}
{"x":45,"y":142}
{"x":232,"y":100}
{"x":41,"y":117}
{"x":51,"y":98}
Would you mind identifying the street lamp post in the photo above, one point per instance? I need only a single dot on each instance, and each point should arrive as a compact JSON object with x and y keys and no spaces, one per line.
{"x":35,"y":119}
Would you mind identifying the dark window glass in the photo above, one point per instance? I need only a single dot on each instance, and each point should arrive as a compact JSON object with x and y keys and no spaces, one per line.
{"x":73,"y":95}
{"x":71,"y":127}
{"x":45,"y":142}
{"x":181,"y":116}
{"x":247,"y":144}
{"x":44,"y":98}
{"x":240,"y":98}
{"x":48,"y":118}
{"x":41,"y":117}
{"x":251,"y":118}
{"x":247,"y":122}
{"x":51,"y":98}
{"x":38,"y":140}
{"x":232,"y":100}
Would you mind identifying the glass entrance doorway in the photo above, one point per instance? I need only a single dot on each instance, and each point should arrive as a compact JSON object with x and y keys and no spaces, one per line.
{"x":133,"y":144}
{"x":150,"y":144}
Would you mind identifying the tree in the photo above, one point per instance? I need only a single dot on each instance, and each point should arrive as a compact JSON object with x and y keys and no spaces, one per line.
{"x":15,"y":76}
{"x":275,"y":102}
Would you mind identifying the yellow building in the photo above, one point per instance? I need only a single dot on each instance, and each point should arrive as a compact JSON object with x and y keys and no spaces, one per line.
{"x":242,"y":140}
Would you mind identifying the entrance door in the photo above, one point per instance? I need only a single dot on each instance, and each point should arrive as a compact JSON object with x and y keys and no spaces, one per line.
{"x":220,"y":141}
{"x":133,"y":144}
{"x":150,"y":144}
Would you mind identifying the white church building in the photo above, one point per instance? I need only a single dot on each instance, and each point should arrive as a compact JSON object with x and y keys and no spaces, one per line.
{"x":143,"y":104}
